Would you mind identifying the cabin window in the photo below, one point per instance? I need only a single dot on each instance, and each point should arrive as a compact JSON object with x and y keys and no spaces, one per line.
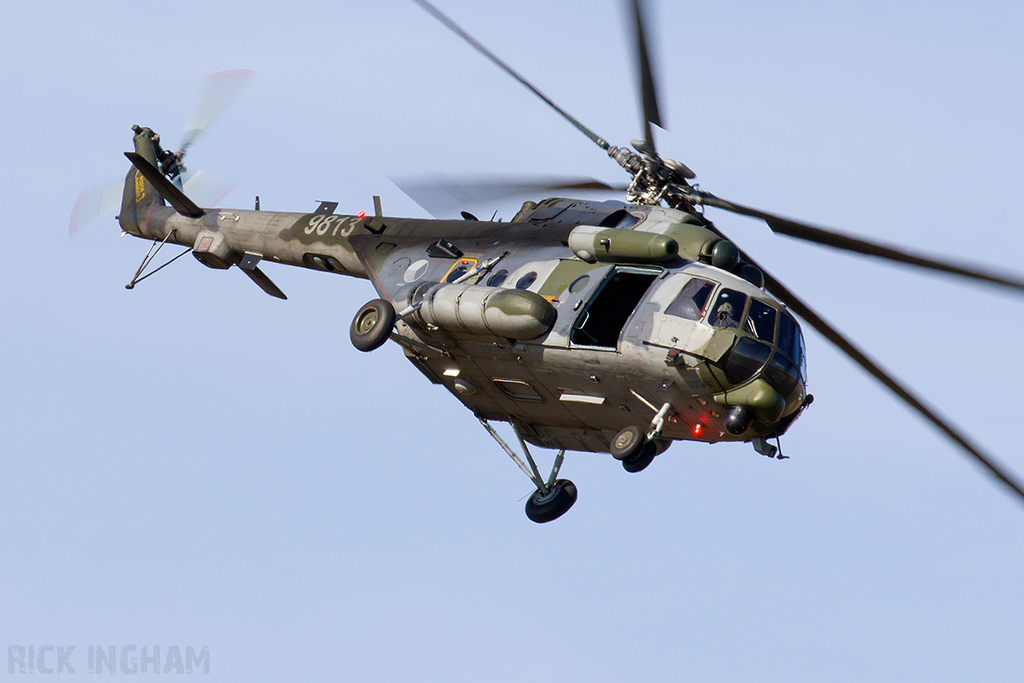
{"x":791,"y":342}
{"x":498,"y":278}
{"x":601,"y":322}
{"x":527,"y":280}
{"x":691,"y":302}
{"x":459,"y":269}
{"x":782,"y":374}
{"x":579,"y":284}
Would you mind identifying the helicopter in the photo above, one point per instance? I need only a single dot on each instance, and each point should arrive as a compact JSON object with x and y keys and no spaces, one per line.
{"x":613,"y":327}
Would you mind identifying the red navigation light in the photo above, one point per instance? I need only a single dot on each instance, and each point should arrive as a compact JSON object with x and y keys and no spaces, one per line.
{"x":698,"y":429}
{"x":362,"y":214}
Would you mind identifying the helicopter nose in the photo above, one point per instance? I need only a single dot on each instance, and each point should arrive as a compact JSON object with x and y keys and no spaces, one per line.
{"x":760,"y":409}
{"x":755,"y":400}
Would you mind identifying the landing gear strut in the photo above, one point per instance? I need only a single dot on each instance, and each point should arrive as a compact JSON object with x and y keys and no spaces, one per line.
{"x":553,"y":497}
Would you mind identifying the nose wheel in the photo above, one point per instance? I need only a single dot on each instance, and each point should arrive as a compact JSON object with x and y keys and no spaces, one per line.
{"x":633,"y":449}
{"x":644,"y":456}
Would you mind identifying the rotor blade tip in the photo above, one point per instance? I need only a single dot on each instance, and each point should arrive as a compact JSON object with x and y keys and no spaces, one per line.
{"x":232,"y":73}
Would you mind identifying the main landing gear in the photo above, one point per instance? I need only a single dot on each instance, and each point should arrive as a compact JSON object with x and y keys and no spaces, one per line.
{"x":544,"y":507}
{"x":372,"y":325}
{"x":553,"y":497}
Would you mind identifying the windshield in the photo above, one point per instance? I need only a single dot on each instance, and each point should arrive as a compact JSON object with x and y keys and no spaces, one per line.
{"x":728,"y":310}
{"x":791,"y":342}
{"x":764,"y":326}
{"x":762,"y":321}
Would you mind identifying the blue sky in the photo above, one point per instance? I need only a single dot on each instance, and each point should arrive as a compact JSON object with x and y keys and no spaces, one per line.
{"x":195,"y":463}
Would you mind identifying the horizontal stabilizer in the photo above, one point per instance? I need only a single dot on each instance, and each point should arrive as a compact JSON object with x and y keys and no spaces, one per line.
{"x":260,"y":278}
{"x":170,"y":192}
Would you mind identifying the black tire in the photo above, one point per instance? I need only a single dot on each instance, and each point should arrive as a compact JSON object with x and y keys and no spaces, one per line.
{"x":662,"y":444}
{"x":643,"y":458}
{"x":372,"y":325}
{"x":627,"y":443}
{"x":561,"y":497}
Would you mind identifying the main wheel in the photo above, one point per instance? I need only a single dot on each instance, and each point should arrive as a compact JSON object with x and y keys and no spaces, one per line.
{"x":642,"y":458}
{"x":372,"y":325}
{"x":542,"y":508}
{"x":627,"y":443}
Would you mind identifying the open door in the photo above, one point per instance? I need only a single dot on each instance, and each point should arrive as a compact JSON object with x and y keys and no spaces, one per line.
{"x":601,"y":322}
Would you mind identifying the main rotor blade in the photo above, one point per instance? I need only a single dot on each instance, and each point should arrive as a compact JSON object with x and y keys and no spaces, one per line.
{"x":648,"y":92}
{"x":860,"y":358}
{"x":838,"y":240}
{"x":598,"y":140}
{"x":441,"y":195}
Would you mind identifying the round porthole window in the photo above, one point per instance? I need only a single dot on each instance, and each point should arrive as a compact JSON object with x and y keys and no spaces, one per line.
{"x":497,"y":279}
{"x":456,"y":273}
{"x":579,"y":284}
{"x":527,"y":280}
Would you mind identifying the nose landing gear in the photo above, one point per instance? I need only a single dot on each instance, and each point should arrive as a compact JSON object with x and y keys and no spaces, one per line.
{"x":636,"y":449}
{"x":633,"y":449}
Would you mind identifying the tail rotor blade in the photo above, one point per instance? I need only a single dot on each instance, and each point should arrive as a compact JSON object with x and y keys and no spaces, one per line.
{"x":92,"y":205}
{"x":206,"y":189}
{"x":219,"y":90}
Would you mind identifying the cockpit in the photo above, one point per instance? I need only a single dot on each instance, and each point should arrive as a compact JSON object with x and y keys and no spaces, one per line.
{"x":768,"y":338}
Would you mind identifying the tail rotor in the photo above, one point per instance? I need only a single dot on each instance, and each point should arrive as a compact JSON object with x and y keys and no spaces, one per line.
{"x":218,"y":91}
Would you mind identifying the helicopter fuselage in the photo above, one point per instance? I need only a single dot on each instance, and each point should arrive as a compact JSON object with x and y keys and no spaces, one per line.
{"x":608,"y":311}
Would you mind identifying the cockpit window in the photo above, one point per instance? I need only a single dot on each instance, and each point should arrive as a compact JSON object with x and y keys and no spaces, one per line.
{"x":745,"y":359}
{"x":791,"y":342}
{"x":788,"y":335}
{"x":691,"y":302}
{"x":761,"y":320}
{"x":782,"y":375}
{"x":728,"y":310}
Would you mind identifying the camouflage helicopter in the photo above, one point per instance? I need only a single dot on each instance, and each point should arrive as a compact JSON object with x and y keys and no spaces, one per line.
{"x":604,"y":326}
